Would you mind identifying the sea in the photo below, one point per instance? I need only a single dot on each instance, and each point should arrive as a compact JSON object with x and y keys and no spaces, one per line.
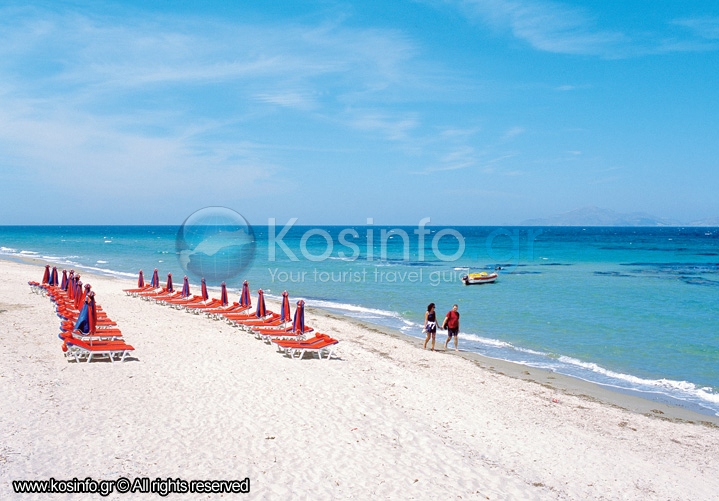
{"x":633,"y":309}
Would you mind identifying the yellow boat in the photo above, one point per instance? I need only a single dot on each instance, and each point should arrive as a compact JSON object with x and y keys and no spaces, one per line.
{"x":479,"y":278}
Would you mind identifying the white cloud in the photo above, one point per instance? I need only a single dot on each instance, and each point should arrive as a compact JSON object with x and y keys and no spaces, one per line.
{"x":513,"y":132}
{"x":705,"y":27}
{"x":565,"y":28}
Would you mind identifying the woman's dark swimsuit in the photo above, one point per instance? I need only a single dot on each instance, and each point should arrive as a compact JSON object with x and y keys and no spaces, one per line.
{"x":431,"y":326}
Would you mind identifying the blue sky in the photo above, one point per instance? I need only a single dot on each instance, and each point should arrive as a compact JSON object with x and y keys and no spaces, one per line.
{"x":468,"y":112}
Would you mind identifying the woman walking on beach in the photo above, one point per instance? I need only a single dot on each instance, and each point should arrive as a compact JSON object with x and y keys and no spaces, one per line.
{"x":430,"y":325}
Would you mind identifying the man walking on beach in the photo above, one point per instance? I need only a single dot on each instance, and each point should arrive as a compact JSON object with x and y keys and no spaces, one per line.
{"x":451,"y":322}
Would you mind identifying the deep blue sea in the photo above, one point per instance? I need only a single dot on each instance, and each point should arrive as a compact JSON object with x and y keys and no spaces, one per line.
{"x":634,"y":309}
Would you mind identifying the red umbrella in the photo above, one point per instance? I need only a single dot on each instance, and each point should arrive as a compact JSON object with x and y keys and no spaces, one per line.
{"x":285,"y":311}
{"x":93,"y":313}
{"x":78,"y":295}
{"x":298,"y":324}
{"x":140,"y":281}
{"x":245,"y":297}
{"x":261,"y":308}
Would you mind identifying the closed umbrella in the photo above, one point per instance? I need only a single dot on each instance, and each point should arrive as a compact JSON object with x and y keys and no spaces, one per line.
{"x":261,"y":308}
{"x":285,"y":311}
{"x":245,"y":296}
{"x":223,"y":295}
{"x":298,"y":324}
{"x":78,"y":295}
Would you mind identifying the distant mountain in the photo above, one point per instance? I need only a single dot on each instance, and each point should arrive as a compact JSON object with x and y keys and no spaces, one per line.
{"x":710,"y":221}
{"x":595,"y":216}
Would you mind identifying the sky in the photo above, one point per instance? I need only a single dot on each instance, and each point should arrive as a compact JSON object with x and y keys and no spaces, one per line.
{"x":470,"y":112}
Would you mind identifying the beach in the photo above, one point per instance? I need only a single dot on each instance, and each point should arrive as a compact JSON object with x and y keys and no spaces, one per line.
{"x":202,"y":400}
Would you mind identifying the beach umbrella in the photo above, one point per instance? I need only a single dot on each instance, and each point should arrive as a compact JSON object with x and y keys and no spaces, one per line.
{"x":93,"y":313}
{"x":186,"y":287}
{"x":245,"y":296}
{"x":169,"y":283}
{"x":223,"y":295}
{"x":46,"y":275}
{"x":140,"y":281}
{"x":83,"y":319}
{"x":53,"y":279}
{"x":63,"y":284}
{"x":205,"y":295}
{"x":261,"y":308}
{"x":298,"y":324}
{"x":155,"y":280}
{"x":70,"y":283}
{"x":78,"y":295}
{"x":285,"y":311}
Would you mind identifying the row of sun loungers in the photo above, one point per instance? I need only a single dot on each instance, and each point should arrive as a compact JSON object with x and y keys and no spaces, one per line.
{"x":86,"y":330}
{"x":290,"y":336}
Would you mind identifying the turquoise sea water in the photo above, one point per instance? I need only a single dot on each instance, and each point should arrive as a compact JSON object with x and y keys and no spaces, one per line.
{"x":634,"y":309}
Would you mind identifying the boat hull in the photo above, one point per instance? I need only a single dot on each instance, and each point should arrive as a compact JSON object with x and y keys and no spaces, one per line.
{"x":478,"y":280}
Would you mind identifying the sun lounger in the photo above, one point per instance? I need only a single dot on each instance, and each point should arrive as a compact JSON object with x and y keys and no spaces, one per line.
{"x":273,"y":320}
{"x":83,"y":350}
{"x":287,"y":333}
{"x":235,"y":317}
{"x":236,"y":308}
{"x":321,"y":344}
{"x":180,"y":303}
{"x":200,"y":307}
{"x":99,"y":335}
{"x":135,"y":292}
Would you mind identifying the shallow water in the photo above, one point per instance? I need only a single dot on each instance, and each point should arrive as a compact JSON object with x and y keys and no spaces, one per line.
{"x":632,"y":308}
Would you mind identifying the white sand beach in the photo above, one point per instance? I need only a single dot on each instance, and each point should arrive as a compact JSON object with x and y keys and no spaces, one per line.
{"x":201,"y":400}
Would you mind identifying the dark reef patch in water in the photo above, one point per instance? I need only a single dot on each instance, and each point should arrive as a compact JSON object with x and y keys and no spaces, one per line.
{"x":612,"y":274}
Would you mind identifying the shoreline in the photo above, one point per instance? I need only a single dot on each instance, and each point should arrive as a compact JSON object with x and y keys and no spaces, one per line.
{"x":568,"y":385}
{"x":200,"y":399}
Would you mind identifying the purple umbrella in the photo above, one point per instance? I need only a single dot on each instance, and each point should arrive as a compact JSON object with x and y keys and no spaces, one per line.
{"x":169,"y":283}
{"x":186,"y":288}
{"x":63,"y":284}
{"x":140,"y":281}
{"x":223,"y":295}
{"x":245,"y":296}
{"x":298,"y":324}
{"x":83,"y":319}
{"x":261,"y":308}
{"x":53,"y":279}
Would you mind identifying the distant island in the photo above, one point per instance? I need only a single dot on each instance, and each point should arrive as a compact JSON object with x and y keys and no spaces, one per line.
{"x":596,"y":216}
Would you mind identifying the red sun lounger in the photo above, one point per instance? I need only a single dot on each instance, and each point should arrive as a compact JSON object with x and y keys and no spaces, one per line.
{"x":82,"y":350}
